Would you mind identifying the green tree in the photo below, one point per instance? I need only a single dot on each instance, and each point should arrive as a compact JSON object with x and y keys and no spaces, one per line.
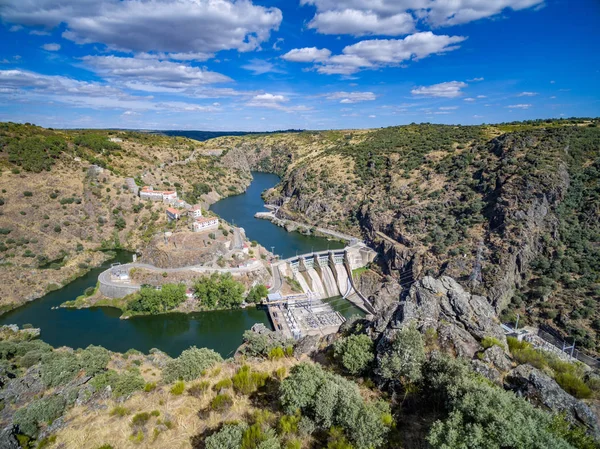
{"x":404,"y":359}
{"x":355,"y":352}
{"x":190,"y":364}
{"x":219,"y":291}
{"x":257,"y":293}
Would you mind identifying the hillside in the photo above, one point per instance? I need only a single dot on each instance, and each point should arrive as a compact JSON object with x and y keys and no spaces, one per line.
{"x":512,"y":210}
{"x":58,"y":212}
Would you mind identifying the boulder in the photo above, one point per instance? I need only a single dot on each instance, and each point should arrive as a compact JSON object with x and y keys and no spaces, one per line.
{"x":307,"y":345}
{"x":542,"y":390}
{"x":8,"y":439}
{"x":461,"y":319}
{"x":487,"y":371}
{"x":496,"y":356}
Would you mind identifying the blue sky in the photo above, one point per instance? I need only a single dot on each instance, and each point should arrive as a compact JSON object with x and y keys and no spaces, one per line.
{"x":312,"y":64}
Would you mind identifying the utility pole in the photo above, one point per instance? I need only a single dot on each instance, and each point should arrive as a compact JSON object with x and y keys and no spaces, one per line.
{"x":517,"y":322}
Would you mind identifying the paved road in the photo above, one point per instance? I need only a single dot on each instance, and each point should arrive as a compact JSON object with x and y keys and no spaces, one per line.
{"x":338,"y":235}
{"x":105,"y":278}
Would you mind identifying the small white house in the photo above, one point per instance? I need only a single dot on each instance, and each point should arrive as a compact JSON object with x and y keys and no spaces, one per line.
{"x":196,"y":211}
{"x":204,"y":223}
{"x":173,"y":214}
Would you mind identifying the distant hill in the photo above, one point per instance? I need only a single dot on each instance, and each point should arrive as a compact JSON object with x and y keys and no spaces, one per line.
{"x":206,"y":135}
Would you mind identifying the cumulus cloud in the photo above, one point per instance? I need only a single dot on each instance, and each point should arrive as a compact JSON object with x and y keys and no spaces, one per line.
{"x":527,"y":94}
{"x":178,"y":26}
{"x":450,"y":89}
{"x":341,"y":16}
{"x":448,"y":108}
{"x":519,"y":106}
{"x":274,"y":101}
{"x":351,"y":97}
{"x":308,"y":54}
{"x":360,"y":23}
{"x":154,"y":74}
{"x":51,"y":47}
{"x":375,"y":53}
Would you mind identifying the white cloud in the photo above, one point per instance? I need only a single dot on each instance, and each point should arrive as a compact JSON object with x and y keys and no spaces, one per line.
{"x":375,"y":53}
{"x":519,"y":106}
{"x":448,"y":108}
{"x":527,"y":94}
{"x":351,"y":97}
{"x":274,"y":101}
{"x":153,"y":74}
{"x":51,"y":47}
{"x":340,"y":16}
{"x":475,"y":80}
{"x":260,"y":67}
{"x":53,"y":88}
{"x":372,"y":116}
{"x":450,"y":89}
{"x":469,"y":100}
{"x":308,"y":54}
{"x":178,"y":26}
{"x":360,"y":23}
{"x":481,"y":96}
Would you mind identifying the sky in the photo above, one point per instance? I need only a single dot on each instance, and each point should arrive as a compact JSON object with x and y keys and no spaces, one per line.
{"x":263,"y":65}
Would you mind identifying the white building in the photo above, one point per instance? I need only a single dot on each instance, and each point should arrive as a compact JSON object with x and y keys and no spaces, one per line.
{"x":148,"y":193}
{"x":204,"y":223}
{"x":196,"y":211}
{"x":173,"y":214}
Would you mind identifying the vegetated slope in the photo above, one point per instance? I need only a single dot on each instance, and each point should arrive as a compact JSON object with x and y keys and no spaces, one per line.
{"x":511,"y":210}
{"x":56,"y":211}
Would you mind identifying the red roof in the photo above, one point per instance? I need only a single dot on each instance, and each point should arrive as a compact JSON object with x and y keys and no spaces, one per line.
{"x":168,"y":192}
{"x":197,"y":207}
{"x":173,"y":211}
{"x":205,"y":219}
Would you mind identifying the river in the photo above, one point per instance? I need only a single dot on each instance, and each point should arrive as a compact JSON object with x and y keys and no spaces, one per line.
{"x":171,"y":333}
{"x":240,"y":209}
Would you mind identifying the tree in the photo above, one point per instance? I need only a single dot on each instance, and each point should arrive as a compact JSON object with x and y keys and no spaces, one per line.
{"x":257,"y":293}
{"x":219,"y":291}
{"x":190,"y":364}
{"x":404,"y":359}
{"x":229,"y":437}
{"x":355,"y":353}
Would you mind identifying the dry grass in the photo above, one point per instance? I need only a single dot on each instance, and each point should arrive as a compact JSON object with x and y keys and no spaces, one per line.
{"x":91,"y":428}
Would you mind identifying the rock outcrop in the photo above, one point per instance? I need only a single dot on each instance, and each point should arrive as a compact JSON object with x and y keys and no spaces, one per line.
{"x":460,"y":319}
{"x":543,"y":391}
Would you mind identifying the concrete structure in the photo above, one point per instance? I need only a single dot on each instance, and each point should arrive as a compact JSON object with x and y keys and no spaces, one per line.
{"x":132,"y":186}
{"x":148,"y":193}
{"x":115,"y":139}
{"x":173,"y":214}
{"x":196,"y":211}
{"x":204,"y":223}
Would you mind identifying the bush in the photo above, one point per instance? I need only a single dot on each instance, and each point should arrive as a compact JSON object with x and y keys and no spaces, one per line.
{"x":229,"y":437}
{"x":221,"y":402}
{"x":276,"y":353}
{"x":199,"y":388}
{"x":94,"y":359}
{"x":330,"y":400}
{"x":222,"y":384}
{"x":573,"y":385}
{"x":119,"y":411}
{"x":59,"y":367}
{"x":488,"y":342}
{"x":190,"y":364}
{"x":355,"y":353}
{"x":39,"y":411}
{"x":27,"y":193}
{"x":405,"y":358}
{"x":150,"y":386}
{"x":257,"y":293}
{"x":140,"y":419}
{"x":178,"y":388}
{"x":261,"y":344}
{"x":247,"y":381}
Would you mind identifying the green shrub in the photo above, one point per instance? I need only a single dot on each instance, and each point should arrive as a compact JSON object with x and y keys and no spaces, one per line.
{"x":276,"y":353}
{"x":199,"y":388}
{"x":94,"y":359}
{"x":59,"y":367}
{"x":573,"y":385}
{"x":222,"y":384}
{"x":119,"y":411}
{"x":247,"y":381}
{"x":190,"y":364}
{"x":178,"y":388}
{"x":355,"y":353}
{"x":488,"y":342}
{"x":39,"y":411}
{"x":403,"y":361}
{"x":221,"y":402}
{"x":28,"y":193}
{"x":140,"y":419}
{"x":219,"y":291}
{"x":288,"y":424}
{"x":150,"y":386}
{"x":228,"y":437}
